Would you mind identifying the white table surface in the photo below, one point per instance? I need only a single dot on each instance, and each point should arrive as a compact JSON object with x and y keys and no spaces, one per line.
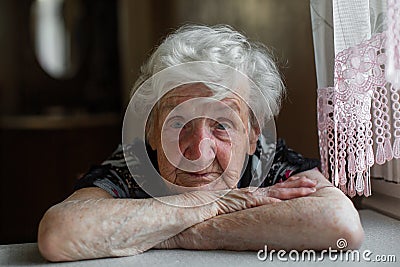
{"x":382,"y":237}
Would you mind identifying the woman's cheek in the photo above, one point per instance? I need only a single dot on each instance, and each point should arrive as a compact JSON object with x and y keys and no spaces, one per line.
{"x":224,"y":154}
{"x":167,"y":170}
{"x":232,"y":154}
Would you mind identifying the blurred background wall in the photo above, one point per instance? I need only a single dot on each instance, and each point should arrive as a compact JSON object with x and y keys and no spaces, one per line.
{"x":56,"y":124}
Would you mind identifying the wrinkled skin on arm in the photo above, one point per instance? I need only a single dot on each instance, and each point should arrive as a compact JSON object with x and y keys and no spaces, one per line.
{"x":315,"y":221}
{"x":91,"y":224}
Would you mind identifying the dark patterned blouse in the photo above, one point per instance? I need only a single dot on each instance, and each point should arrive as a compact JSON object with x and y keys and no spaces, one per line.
{"x":114,"y":177}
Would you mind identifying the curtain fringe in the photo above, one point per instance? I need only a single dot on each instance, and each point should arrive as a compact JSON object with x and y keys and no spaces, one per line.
{"x":358,"y":118}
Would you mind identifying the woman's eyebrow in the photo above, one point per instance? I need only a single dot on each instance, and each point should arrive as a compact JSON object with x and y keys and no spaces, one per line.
{"x":169,"y":103}
{"x":167,"y":107}
{"x":233,"y":104}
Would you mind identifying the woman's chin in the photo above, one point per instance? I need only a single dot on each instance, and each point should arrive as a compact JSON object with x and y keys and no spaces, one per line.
{"x":204,"y":186}
{"x":188,"y":182}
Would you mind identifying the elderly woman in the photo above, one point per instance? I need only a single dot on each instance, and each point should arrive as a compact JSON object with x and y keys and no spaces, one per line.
{"x":214,"y":206}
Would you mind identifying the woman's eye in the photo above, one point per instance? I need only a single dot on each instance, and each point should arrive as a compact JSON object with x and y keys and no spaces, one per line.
{"x":223,"y":126}
{"x":176,"y":124}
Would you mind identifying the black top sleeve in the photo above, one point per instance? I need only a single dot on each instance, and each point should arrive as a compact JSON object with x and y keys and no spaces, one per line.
{"x":114,"y":177}
{"x":286,"y":163}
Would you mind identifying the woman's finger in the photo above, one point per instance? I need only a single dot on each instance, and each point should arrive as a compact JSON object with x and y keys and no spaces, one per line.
{"x":294,"y":177}
{"x":299,"y":182}
{"x":289,"y":193}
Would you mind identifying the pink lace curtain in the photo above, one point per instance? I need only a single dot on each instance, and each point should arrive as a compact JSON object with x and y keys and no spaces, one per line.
{"x":358,"y":99}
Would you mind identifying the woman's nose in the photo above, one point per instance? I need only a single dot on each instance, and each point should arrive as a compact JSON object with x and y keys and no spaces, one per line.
{"x":197,"y":143}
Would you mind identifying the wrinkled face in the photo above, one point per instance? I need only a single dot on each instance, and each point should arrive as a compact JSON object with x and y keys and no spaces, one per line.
{"x":202,"y":143}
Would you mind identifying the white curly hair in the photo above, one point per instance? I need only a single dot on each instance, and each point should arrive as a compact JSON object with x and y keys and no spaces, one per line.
{"x":219,"y":44}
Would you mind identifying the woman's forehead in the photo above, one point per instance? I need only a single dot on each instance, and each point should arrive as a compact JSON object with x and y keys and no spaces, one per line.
{"x":190,"y":90}
{"x":185,"y":92}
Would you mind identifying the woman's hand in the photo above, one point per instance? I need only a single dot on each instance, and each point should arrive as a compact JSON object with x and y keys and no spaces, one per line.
{"x":215,"y":203}
{"x":293,"y":187}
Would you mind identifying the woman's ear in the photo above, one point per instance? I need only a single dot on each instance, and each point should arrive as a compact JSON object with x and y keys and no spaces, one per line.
{"x":254,"y":133}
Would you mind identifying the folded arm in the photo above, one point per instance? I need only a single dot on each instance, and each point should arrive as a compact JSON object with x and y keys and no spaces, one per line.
{"x":315,"y":221}
{"x":91,"y":224}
